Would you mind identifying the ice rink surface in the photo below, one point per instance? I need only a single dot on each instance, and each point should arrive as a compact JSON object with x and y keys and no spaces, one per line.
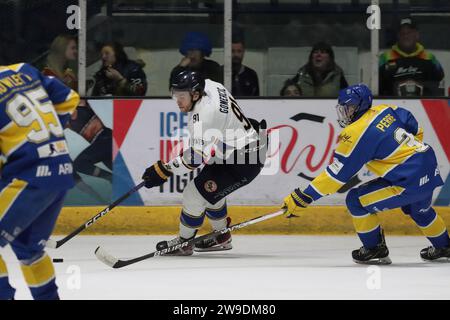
{"x":258,"y":267}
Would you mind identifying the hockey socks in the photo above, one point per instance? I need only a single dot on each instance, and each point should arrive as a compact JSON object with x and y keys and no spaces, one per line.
{"x":40,"y":277}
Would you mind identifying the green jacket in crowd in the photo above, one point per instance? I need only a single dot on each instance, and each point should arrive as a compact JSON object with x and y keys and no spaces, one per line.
{"x":329,"y":86}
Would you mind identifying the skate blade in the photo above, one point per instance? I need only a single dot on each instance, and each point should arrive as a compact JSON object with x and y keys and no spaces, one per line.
{"x":378,"y":261}
{"x":218,"y":248}
{"x":438,"y":260}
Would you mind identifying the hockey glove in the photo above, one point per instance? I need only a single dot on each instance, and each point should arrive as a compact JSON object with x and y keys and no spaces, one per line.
{"x":156,"y":175}
{"x":296,"y":201}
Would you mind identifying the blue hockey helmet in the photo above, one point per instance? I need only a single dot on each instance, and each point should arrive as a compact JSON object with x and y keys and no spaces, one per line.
{"x":353,"y":102}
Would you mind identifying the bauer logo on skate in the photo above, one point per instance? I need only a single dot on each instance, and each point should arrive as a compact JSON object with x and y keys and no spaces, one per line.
{"x":170,"y":249}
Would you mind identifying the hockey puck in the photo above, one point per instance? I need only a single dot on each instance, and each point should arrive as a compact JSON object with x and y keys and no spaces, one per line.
{"x":58,"y":260}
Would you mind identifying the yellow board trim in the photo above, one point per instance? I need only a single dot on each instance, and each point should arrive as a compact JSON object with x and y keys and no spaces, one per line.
{"x":9,"y":194}
{"x":164,"y":220}
{"x":39,"y":273}
{"x":380,"y":195}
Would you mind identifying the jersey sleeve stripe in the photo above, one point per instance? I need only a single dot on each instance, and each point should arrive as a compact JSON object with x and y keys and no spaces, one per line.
{"x":69,"y":104}
{"x":313,"y":193}
{"x":186,"y":164}
{"x":325,"y":184}
{"x":16,"y":67}
{"x":334,"y":178}
{"x":419,"y":134}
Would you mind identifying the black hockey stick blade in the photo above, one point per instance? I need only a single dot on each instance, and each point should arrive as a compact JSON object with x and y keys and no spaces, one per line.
{"x":115,"y":263}
{"x":54,"y":244}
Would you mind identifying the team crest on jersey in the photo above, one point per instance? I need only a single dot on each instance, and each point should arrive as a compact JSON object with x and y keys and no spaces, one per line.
{"x":210,"y":186}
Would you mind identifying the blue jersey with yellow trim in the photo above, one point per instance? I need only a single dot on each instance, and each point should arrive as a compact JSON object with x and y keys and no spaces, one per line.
{"x":388,"y":140}
{"x":33,"y":111}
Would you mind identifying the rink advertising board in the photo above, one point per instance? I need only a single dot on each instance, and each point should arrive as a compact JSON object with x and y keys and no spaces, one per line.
{"x":303,"y":137}
{"x":91,"y":190}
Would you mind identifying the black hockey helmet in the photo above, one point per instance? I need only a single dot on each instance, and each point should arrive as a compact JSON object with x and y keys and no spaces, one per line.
{"x":188,"y":80}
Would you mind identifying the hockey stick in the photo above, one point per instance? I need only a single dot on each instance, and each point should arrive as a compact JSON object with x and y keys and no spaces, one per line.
{"x":56,"y":244}
{"x":113,"y":262}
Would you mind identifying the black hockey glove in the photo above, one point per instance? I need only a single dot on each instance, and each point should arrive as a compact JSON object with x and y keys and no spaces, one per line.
{"x":156,"y":175}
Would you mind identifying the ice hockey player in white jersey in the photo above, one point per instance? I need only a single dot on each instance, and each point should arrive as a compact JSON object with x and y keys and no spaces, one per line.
{"x":231,"y":147}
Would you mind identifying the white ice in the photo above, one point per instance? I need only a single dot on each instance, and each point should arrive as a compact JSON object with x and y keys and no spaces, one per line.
{"x":258,"y":267}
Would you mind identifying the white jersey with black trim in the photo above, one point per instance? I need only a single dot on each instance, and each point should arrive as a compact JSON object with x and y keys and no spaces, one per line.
{"x":215,"y":123}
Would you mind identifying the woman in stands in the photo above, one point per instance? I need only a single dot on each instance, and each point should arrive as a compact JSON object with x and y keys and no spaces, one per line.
{"x":63,"y":52}
{"x":119,"y":76}
{"x":321,"y":76}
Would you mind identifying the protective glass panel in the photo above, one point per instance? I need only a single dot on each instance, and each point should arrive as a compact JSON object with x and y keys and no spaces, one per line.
{"x":152,"y":40}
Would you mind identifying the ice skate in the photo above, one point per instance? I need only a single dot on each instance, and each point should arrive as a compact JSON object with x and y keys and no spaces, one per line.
{"x":377,"y":255}
{"x":185,"y":250}
{"x":220,"y":242}
{"x":435,"y":254}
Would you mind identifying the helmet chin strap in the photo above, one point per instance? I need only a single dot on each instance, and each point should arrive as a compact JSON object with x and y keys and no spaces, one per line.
{"x":194,"y":102}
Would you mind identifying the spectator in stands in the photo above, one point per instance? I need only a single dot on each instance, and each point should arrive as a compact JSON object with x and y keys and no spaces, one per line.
{"x":245,"y":79}
{"x":321,"y":76}
{"x":290,"y":89}
{"x":62,"y":53}
{"x":407,"y":69}
{"x":119,"y":76}
{"x":195,"y":47}
{"x":84,"y":121}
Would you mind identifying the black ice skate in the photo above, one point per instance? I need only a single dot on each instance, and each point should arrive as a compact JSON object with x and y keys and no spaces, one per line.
{"x":377,"y":255}
{"x":185,"y":250}
{"x":220,"y":242}
{"x":435,"y":254}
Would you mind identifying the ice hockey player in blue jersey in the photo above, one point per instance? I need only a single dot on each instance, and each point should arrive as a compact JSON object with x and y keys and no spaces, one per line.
{"x":388,"y":140}
{"x":36,"y":171}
